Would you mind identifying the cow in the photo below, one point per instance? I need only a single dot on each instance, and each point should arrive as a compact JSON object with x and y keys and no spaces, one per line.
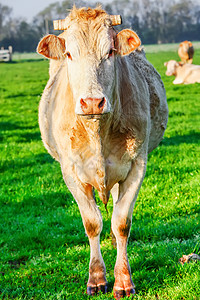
{"x":186,"y":52}
{"x":102,"y":111}
{"x":184,"y":73}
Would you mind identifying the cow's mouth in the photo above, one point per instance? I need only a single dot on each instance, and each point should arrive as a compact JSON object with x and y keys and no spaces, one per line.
{"x":93,"y":116}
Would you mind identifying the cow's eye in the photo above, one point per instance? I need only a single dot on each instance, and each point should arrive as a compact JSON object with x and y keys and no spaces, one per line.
{"x":110,"y":52}
{"x":68,"y":55}
{"x":108,"y":55}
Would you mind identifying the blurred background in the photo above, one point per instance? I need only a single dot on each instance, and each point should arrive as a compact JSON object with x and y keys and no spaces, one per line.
{"x":23,"y":23}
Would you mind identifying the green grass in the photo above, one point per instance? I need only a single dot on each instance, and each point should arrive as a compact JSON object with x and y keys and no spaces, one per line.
{"x":44,"y":253}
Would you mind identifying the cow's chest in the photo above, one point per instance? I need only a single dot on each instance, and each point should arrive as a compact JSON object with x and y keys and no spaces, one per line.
{"x":102,"y":162}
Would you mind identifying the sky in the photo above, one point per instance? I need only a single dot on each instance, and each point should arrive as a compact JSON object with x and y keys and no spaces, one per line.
{"x":30,"y":8}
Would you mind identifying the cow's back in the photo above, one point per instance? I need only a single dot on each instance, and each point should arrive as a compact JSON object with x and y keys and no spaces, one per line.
{"x":189,"y":73}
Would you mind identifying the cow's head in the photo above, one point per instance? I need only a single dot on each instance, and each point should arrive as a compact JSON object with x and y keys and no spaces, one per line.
{"x":171,"y":67}
{"x":88,"y":47}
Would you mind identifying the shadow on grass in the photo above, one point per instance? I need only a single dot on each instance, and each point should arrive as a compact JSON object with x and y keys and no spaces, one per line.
{"x":17,"y":61}
{"x":22,"y":137}
{"x":180,"y":139}
{"x":51,"y":200}
{"x":18,"y":132}
{"x":13,"y":126}
{"x":21,"y":96}
{"x":12,"y":62}
{"x":25,"y":162}
{"x":173,"y":99}
{"x":28,"y":137}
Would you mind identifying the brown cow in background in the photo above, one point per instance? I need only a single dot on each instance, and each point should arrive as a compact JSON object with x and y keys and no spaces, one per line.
{"x":186,"y":52}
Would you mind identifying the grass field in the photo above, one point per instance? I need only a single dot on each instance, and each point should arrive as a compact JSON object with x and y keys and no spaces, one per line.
{"x":44,"y":253}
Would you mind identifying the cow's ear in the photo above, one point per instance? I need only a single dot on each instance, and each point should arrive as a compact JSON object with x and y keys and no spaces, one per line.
{"x":165,"y":63}
{"x":126,"y":42}
{"x":52,"y":46}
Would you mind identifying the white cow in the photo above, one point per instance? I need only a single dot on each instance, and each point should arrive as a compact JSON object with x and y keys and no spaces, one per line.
{"x":184,"y":73}
{"x":103,"y":109}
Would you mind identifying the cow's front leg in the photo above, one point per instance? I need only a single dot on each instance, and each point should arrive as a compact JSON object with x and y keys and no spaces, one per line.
{"x":97,"y":271}
{"x":92,"y":222}
{"x":121,"y":224}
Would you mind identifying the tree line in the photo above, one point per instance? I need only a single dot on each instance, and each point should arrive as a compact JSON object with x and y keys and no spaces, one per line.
{"x":155,"y":21}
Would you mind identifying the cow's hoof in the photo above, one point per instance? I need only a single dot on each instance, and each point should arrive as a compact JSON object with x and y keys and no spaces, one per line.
{"x":94,"y":290}
{"x":130,"y":292}
{"x":119,"y":294}
{"x":103,"y":288}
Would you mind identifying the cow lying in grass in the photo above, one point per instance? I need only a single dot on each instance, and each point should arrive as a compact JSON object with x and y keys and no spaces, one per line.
{"x":102,"y":111}
{"x":184,"y":73}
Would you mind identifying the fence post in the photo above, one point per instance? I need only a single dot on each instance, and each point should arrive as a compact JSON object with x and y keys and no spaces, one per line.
{"x":10,"y":52}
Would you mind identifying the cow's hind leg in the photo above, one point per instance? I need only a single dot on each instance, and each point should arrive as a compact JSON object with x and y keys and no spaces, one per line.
{"x":121,"y":224}
{"x":92,"y":222}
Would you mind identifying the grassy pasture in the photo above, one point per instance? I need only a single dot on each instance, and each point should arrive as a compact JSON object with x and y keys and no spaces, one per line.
{"x":44,"y":253}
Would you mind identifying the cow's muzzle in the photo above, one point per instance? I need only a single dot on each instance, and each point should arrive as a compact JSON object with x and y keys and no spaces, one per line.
{"x":93,"y":106}
{"x":169,"y":73}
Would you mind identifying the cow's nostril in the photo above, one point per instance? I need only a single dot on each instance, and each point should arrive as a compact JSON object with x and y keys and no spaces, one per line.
{"x":101,"y":104}
{"x":92,"y":106}
{"x":83,"y":103}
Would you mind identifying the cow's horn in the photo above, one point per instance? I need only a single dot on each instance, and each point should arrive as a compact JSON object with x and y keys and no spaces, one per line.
{"x":64,"y":23}
{"x":61,"y":24}
{"x":116,"y":20}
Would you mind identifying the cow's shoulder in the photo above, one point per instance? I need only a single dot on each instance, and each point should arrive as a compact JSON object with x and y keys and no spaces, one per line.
{"x":153,"y":79}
